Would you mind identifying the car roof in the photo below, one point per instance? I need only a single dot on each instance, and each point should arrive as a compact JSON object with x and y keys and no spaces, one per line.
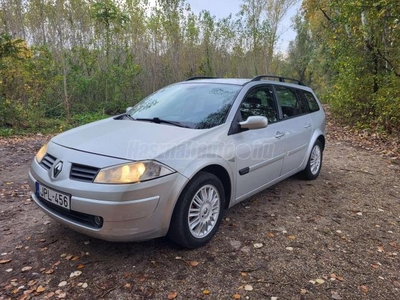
{"x":244,"y":81}
{"x":237,"y":81}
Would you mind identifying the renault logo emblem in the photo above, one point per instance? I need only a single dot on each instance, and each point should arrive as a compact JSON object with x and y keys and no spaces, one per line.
{"x":57,"y":169}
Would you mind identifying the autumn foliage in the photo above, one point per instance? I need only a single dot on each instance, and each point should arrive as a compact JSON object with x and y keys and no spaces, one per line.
{"x":63,"y":63}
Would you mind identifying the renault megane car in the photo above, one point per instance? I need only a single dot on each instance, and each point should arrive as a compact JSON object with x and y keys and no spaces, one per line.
{"x":175,"y":161}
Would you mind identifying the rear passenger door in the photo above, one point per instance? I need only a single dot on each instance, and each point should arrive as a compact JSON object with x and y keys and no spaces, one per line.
{"x":297,"y":125}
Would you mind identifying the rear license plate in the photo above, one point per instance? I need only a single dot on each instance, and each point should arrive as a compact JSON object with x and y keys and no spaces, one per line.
{"x":52,"y":196}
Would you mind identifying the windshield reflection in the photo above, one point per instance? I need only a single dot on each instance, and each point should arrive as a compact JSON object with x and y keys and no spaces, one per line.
{"x":195,"y":105}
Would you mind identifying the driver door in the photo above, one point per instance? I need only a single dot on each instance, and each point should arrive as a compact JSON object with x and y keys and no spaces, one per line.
{"x":259,"y":152}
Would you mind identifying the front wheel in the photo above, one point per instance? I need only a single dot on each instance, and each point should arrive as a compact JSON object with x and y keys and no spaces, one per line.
{"x":198,"y":212}
{"x":314,"y":164}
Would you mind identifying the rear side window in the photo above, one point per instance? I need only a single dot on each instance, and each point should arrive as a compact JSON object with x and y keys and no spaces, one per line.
{"x":291,"y":105}
{"x":312,"y":102}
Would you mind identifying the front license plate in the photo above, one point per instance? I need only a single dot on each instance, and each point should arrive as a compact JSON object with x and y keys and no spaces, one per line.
{"x":55,"y":197}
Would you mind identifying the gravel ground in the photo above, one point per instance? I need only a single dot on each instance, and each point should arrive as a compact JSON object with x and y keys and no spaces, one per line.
{"x":336,"y":237}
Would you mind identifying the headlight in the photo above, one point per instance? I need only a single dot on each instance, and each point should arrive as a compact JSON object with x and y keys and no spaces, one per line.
{"x":41,"y":153}
{"x":132,"y":172}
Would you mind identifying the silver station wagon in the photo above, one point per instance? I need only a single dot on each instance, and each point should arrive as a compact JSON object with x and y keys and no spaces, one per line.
{"x":171,"y":164}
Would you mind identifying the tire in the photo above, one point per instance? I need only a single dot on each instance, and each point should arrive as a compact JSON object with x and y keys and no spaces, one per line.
{"x":314,"y":163}
{"x":196,"y":219}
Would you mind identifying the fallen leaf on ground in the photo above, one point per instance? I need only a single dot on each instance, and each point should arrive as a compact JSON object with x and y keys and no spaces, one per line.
{"x":27,"y":268}
{"x":236,"y":296}
{"x":340,"y":278}
{"x":292,"y":237}
{"x":62,"y":283}
{"x":319,"y":281}
{"x":194,"y":263}
{"x":364,"y":289}
{"x":248,"y":287}
{"x":172,"y":295}
{"x":27,"y":292}
{"x":303,"y":291}
{"x":4,"y":261}
{"x":81,"y":266}
{"x":206,"y":292}
{"x":56,"y":263}
{"x":40,"y":289}
{"x":258,"y":245}
{"x":375,"y":266}
{"x":32,"y":282}
{"x":75,"y":274}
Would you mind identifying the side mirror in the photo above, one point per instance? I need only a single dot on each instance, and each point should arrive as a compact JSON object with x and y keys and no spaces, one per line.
{"x":254,"y":122}
{"x":128,"y":109}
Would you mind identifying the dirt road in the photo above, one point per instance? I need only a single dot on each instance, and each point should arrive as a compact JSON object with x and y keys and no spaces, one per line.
{"x":334,"y":238}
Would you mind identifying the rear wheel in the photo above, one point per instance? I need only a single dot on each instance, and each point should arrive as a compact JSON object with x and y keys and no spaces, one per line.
{"x":314,"y":164}
{"x":198,"y":212}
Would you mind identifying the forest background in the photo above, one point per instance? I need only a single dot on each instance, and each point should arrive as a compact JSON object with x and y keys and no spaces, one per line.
{"x":69,"y":62}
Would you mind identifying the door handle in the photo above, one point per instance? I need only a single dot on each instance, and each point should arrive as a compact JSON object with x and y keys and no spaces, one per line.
{"x":279,"y":134}
{"x":308,"y":125}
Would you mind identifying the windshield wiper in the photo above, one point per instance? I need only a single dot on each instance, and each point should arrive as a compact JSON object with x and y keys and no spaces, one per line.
{"x":159,"y":121}
{"x":128,"y":116}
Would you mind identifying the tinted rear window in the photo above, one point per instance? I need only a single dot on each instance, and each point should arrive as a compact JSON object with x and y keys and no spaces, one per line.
{"x":312,"y":102}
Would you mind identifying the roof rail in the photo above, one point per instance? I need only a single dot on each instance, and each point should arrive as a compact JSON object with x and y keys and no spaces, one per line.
{"x":280,"y":78}
{"x":200,"y":77}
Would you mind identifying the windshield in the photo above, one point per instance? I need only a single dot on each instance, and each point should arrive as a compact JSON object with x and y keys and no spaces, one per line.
{"x":194,"y":105}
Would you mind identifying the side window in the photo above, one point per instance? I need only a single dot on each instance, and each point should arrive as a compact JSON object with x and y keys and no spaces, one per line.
{"x":312,"y":102}
{"x":291,"y":105}
{"x":259,"y":102}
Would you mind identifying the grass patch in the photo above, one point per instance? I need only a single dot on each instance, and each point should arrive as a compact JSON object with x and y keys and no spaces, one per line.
{"x":51,"y":125}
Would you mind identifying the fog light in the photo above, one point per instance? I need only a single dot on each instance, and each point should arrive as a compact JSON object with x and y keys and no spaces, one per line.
{"x":98,"y":221}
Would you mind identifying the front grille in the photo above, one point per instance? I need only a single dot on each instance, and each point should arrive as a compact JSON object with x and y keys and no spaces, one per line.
{"x":48,"y":161}
{"x":83,"y":173}
{"x":78,"y":217}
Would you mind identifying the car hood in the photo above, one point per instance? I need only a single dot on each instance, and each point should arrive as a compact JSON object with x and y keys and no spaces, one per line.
{"x":127,"y":139}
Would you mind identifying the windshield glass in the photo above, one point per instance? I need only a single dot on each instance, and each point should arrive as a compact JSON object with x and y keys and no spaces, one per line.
{"x":195,"y":105}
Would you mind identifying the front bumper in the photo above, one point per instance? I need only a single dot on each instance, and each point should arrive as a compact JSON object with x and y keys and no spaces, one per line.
{"x":130,"y":212}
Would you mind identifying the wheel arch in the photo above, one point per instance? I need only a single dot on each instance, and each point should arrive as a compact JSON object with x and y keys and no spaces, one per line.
{"x":224,"y":177}
{"x":321,"y":138}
